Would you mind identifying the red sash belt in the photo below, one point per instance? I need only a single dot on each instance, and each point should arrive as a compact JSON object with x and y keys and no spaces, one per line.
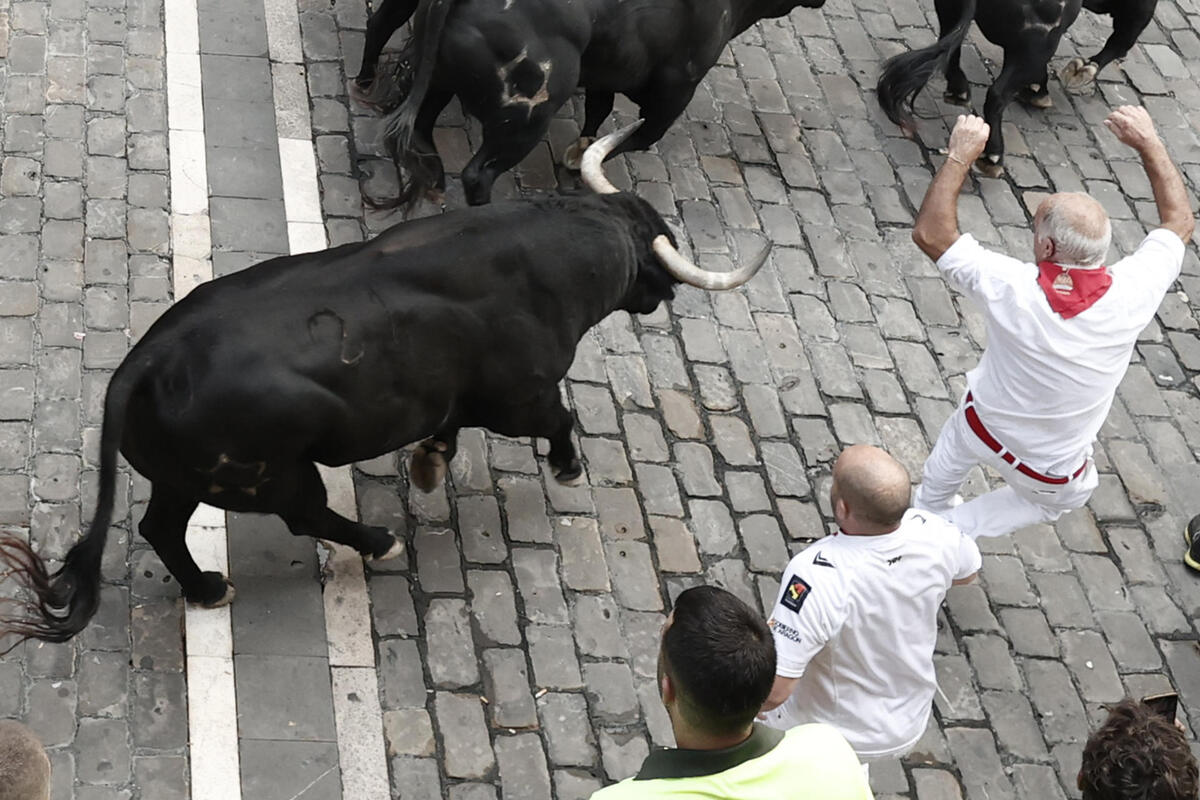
{"x":976,"y":425}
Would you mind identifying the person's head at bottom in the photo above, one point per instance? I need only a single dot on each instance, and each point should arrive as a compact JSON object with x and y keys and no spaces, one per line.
{"x":24,"y":766}
{"x":715,"y":668}
{"x":1137,"y":754}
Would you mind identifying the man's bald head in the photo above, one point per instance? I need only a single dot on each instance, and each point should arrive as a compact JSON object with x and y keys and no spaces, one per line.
{"x":873,"y":486}
{"x":1077,"y":225}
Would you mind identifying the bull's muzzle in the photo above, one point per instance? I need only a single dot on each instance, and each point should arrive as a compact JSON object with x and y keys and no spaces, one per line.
{"x":673,"y":261}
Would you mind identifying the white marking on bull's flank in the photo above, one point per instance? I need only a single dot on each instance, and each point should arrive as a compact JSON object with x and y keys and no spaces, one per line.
{"x":511,"y":96}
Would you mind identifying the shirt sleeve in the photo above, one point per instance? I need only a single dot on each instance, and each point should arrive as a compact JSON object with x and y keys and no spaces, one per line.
{"x":979,"y":273}
{"x":969,"y":558}
{"x":808,"y":613}
{"x":1152,"y":268}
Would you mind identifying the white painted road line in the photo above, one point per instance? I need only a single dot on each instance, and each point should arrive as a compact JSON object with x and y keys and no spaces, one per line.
{"x":357,"y":713}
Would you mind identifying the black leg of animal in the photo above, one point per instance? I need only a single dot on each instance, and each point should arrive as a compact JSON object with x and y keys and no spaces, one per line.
{"x":422,"y":141}
{"x":1037,"y":94}
{"x":306,"y":514}
{"x":164,"y":527}
{"x":1129,"y":20}
{"x":544,"y":416}
{"x":506,"y":141}
{"x":659,"y":108}
{"x":596,"y":108}
{"x":958,"y":91}
{"x":1015,"y":74}
{"x":386,"y":20}
{"x":431,"y":458}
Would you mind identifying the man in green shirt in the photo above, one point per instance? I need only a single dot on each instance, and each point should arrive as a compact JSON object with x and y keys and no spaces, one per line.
{"x":716,"y":666}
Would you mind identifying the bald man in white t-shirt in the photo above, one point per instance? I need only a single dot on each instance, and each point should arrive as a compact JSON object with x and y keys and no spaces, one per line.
{"x":856,"y":619}
{"x":1060,"y":335}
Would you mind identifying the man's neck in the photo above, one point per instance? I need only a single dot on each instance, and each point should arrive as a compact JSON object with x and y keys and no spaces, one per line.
{"x":687,"y":738}
{"x":867,"y":530}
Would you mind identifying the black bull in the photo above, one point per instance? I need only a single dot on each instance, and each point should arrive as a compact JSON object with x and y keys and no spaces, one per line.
{"x":513,"y":63}
{"x":1029,"y":31}
{"x":470,"y":318}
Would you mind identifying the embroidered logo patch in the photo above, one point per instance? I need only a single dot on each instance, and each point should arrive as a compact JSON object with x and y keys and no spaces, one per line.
{"x":796,"y":593}
{"x":785,"y":631}
{"x":821,"y":561}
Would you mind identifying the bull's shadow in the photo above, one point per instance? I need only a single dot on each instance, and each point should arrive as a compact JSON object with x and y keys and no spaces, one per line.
{"x":465,"y":319}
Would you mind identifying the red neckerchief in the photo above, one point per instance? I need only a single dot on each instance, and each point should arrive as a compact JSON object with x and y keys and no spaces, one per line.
{"x":1071,"y":291}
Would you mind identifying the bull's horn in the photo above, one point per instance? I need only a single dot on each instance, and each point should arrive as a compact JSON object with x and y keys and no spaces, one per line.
{"x":687,"y":272}
{"x":590,"y":167}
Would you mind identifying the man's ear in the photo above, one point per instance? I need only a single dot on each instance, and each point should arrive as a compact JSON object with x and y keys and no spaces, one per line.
{"x":666,"y":688}
{"x":1079,"y":780}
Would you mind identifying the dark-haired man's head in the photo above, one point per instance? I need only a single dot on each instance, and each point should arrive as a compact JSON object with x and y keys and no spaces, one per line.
{"x":717,"y":663}
{"x":24,"y":767}
{"x":870,"y":491}
{"x":1137,"y":754}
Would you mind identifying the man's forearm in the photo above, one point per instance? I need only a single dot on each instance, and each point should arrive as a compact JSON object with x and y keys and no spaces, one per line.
{"x":1174,"y":210}
{"x":936,"y":227}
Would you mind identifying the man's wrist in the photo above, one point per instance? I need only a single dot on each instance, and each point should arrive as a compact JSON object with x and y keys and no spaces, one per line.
{"x":957,"y":160}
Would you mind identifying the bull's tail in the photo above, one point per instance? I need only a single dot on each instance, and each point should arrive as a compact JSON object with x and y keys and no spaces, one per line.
{"x":903,"y":76}
{"x":417,"y":171}
{"x":58,"y":606}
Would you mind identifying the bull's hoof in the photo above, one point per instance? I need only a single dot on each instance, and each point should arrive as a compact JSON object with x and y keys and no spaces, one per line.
{"x":957,"y":98}
{"x":990,"y":166}
{"x":571,"y":474}
{"x":437,"y":197}
{"x":395,"y":551}
{"x":216,"y":590}
{"x":1035,"y":96}
{"x":362,"y":92}
{"x":1078,"y":75}
{"x":428,"y":466}
{"x":573,"y":157}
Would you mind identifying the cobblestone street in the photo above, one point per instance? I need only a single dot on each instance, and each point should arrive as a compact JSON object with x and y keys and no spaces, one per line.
{"x":148,"y":145}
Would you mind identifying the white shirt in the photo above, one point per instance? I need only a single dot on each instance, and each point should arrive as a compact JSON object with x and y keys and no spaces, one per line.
{"x":1044,"y":384}
{"x":861,"y":636}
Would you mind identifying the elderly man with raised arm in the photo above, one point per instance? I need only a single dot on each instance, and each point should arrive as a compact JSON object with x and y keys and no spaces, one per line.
{"x":1060,"y":334}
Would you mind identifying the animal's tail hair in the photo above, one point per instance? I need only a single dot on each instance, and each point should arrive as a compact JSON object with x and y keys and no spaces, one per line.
{"x":57,"y":606}
{"x":417,"y":171}
{"x":903,"y":76}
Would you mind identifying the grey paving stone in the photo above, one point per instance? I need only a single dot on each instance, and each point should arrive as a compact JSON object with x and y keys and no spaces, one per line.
{"x":493,"y":606}
{"x":408,"y":731}
{"x":479,"y":527}
{"x":1063,"y":600}
{"x":957,"y":699}
{"x":506,"y":681}
{"x":467,"y":750}
{"x":1055,"y":701}
{"x":159,"y":718}
{"x":537,"y":582}
{"x":569,"y":737}
{"x":597,"y":627}
{"x":103,"y":753}
{"x":634,"y":582}
{"x":401,"y":676}
{"x":277,"y":618}
{"x":620,"y":514}
{"x":523,"y":771}
{"x":278,"y":770}
{"x":982,"y":774}
{"x":552,"y":653}
{"x":525,"y":510}
{"x":936,"y":784}
{"x":622,"y":753}
{"x":1036,"y":781}
{"x":286,"y":698}
{"x":449,"y":643}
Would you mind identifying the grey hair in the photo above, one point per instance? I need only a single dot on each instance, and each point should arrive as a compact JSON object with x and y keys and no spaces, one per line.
{"x":1073,"y":246}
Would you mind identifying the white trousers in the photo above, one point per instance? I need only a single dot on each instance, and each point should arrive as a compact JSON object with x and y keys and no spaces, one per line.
{"x":1024,"y":501}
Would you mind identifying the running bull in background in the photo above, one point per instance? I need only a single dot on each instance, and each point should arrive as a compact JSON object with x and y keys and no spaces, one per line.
{"x":1029,"y":31}
{"x":470,"y":318}
{"x":513,"y":63}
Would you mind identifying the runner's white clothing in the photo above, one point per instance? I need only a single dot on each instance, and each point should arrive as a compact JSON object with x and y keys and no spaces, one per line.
{"x":1044,"y":384}
{"x":856,"y":622}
